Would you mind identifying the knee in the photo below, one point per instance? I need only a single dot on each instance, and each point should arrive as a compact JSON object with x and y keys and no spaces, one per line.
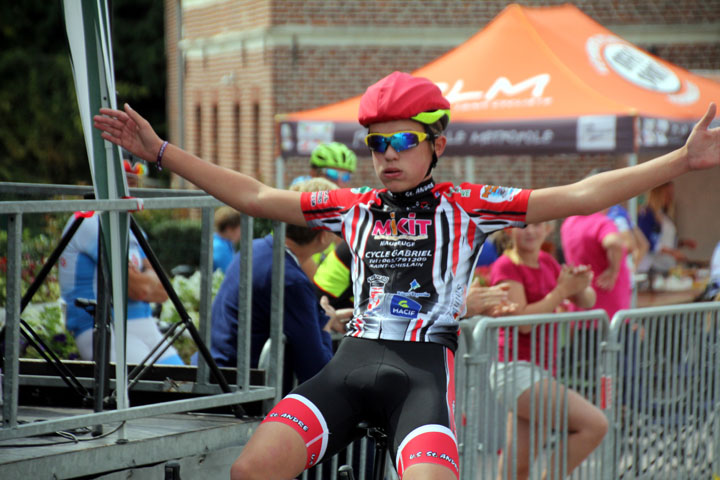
{"x":598,"y":427}
{"x":240,"y":470}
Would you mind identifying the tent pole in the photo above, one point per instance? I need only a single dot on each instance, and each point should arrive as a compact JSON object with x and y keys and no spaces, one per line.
{"x":470,"y":169}
{"x":279,"y":172}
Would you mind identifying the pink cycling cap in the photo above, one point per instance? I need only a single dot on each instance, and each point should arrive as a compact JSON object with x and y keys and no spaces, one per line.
{"x":400,"y":96}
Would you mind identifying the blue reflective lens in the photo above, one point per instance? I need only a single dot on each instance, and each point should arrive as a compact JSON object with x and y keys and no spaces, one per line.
{"x":334,"y":175}
{"x":400,"y":141}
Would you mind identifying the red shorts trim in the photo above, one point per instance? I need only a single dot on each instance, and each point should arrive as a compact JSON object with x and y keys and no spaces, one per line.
{"x":429,"y":444}
{"x":302,"y":415}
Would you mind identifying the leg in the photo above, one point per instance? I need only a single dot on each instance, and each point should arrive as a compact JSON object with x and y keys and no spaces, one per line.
{"x":275,"y":452}
{"x":84,"y":343}
{"x":423,"y":423}
{"x":522,"y":467}
{"x":586,"y":424}
{"x":428,"y":471}
{"x":142,"y":335}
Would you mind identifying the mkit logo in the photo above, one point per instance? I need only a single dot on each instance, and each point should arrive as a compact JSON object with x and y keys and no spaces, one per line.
{"x":410,"y":228}
{"x":404,"y":307}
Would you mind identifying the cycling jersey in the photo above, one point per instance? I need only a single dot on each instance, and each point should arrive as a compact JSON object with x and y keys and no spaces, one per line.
{"x":414,"y":251}
{"x":77,"y":274}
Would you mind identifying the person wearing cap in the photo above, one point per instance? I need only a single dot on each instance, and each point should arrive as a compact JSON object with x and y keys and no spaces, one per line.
{"x":78,"y":279}
{"x":414,"y":245}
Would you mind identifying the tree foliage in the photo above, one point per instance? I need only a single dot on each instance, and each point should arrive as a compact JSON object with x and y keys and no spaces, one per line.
{"x":41,"y":138}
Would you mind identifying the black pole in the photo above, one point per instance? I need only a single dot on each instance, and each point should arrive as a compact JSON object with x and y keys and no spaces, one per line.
{"x":101,"y":330}
{"x":50,"y":263}
{"x":184,"y":317}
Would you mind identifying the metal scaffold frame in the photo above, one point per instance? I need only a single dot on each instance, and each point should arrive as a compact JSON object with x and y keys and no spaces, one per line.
{"x":213,"y":396}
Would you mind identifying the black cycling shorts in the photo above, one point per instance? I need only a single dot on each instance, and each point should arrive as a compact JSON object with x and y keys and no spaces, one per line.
{"x":407,"y":388}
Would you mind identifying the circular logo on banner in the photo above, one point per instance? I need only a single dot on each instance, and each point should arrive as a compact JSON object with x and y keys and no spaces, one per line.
{"x":640,"y":68}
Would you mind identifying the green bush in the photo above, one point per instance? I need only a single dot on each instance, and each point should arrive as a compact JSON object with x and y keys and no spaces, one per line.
{"x":188,"y":290}
{"x":176,"y":242}
{"x":35,"y":250}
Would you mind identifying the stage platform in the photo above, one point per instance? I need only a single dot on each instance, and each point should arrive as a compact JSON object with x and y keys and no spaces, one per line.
{"x":203,"y":444}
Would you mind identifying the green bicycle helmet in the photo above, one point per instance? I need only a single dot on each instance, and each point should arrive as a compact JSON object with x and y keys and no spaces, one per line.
{"x":333,"y":155}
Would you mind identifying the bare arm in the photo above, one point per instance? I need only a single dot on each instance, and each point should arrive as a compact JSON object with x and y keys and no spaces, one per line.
{"x":614,"y":248}
{"x":145,"y":285}
{"x":586,"y":297}
{"x":516,"y":294}
{"x":642,"y":246}
{"x":492,"y":301}
{"x":573,"y":283}
{"x":702,"y":150}
{"x":246,"y":194}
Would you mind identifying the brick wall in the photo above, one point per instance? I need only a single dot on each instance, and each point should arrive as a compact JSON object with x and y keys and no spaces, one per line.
{"x":461,"y":12}
{"x":245,"y":75}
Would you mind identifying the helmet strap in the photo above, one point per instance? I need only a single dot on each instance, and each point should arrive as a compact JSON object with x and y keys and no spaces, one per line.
{"x":431,"y":139}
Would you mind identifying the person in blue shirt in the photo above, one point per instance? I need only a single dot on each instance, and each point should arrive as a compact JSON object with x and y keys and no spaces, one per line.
{"x":227,"y":234}
{"x":306,"y":325}
{"x":634,"y":239}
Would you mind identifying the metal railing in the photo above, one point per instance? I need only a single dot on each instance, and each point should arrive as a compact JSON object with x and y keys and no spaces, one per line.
{"x":568,"y":348}
{"x":666,"y":392}
{"x":241,"y":392}
{"x":652,"y":372}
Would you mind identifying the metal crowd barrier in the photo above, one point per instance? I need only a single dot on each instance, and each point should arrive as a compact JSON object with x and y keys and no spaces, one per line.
{"x":241,"y":392}
{"x":666,"y":392}
{"x":489,"y":387}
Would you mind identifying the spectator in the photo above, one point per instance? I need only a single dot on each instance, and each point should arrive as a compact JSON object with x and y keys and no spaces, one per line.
{"x":78,"y":279}
{"x":712,"y":290}
{"x":636,"y":244}
{"x":306,"y":325}
{"x":595,"y":241}
{"x":715,"y":265}
{"x":227,"y":233}
{"x":333,"y":277}
{"x":538,"y":284}
{"x":335,"y":162}
{"x":656,"y":220}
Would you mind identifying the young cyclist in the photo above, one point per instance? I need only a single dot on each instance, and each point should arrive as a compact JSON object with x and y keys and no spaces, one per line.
{"x":414,"y":243}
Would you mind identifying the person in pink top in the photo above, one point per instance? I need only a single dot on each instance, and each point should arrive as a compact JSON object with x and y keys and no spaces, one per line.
{"x":594,"y":240}
{"x":538,"y":284}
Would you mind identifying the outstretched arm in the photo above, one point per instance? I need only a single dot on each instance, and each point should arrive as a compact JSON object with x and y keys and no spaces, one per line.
{"x":701,"y":151}
{"x":246,"y":194}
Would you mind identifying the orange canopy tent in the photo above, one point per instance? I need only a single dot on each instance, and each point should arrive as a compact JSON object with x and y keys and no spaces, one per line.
{"x":539,"y":80}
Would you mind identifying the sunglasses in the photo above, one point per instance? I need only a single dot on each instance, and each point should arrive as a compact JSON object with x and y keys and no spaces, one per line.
{"x":379,"y":142}
{"x":336,"y":175}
